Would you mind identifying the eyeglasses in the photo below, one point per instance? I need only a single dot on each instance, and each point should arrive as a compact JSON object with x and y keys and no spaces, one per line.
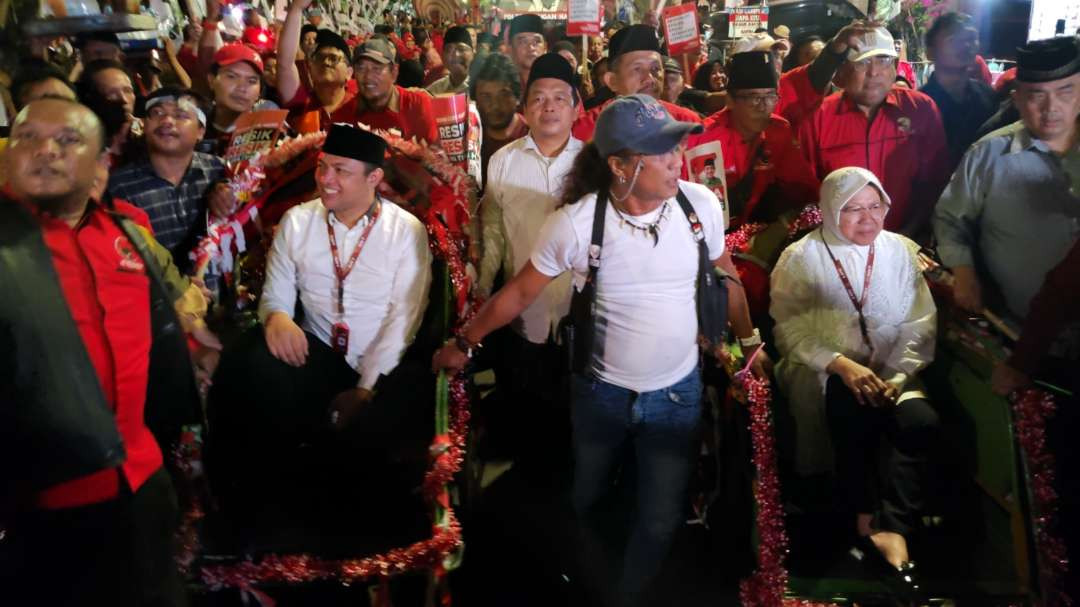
{"x":328,"y":59}
{"x":759,"y":101}
{"x":879,"y":61}
{"x":876,"y":210}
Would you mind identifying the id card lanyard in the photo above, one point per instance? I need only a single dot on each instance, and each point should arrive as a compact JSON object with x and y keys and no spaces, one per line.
{"x":340,"y":331}
{"x":859,"y":303}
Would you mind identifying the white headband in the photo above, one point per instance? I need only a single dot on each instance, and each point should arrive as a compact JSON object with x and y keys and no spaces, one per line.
{"x":183,"y":102}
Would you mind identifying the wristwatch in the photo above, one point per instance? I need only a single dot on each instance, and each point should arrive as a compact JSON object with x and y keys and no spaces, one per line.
{"x":753,"y":340}
{"x":467,"y":347}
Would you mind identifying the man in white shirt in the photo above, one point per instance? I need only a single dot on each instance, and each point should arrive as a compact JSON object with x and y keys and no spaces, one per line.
{"x":361,"y":268}
{"x":641,"y":390}
{"x":526,"y":177}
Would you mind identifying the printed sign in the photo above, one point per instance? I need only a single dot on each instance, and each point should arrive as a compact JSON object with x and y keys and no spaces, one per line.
{"x":705,"y":165}
{"x":255,"y":132}
{"x":681,"y":29}
{"x":459,"y":129}
{"x":583,"y":18}
{"x":745,"y":21}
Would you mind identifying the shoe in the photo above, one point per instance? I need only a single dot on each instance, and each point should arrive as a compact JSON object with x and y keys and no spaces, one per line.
{"x":904,"y":584}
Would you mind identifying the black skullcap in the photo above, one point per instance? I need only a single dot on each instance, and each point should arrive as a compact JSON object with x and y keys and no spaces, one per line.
{"x":524,"y":24}
{"x":308,"y":27}
{"x":1046,"y":60}
{"x":751,"y":70}
{"x":329,"y":38}
{"x":564,"y":45}
{"x":638,"y":37}
{"x":353,"y":142}
{"x":457,"y":34}
{"x":550,"y":65}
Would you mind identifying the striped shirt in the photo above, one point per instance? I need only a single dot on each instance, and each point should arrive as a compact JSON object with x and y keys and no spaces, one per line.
{"x":177,"y":213}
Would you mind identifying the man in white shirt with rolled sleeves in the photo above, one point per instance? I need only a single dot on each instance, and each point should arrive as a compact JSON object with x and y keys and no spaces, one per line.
{"x":524,"y":181}
{"x":360,"y":267}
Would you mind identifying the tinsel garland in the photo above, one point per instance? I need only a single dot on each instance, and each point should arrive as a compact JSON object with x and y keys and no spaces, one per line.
{"x":1031,"y":408}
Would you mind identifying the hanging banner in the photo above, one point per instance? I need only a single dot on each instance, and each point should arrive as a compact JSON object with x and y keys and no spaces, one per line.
{"x":255,"y":132}
{"x":583,"y":18}
{"x":746,"y":20}
{"x":681,"y":29}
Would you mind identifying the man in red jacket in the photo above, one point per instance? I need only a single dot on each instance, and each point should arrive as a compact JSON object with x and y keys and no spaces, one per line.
{"x":895,"y":133}
{"x":98,"y":533}
{"x":636,"y":66}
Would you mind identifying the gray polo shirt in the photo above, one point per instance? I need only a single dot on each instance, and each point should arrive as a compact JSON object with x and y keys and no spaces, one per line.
{"x":1009,"y":206}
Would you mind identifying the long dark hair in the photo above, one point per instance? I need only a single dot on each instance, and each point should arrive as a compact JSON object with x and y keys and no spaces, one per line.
{"x":590,"y":173}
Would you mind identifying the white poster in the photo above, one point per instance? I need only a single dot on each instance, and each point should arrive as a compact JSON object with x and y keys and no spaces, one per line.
{"x":1047,"y":17}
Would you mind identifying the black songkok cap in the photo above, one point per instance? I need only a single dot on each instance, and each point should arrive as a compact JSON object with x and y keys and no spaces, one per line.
{"x":551,"y":65}
{"x":458,"y":34}
{"x":638,"y":37}
{"x":1046,"y":60}
{"x":751,"y":70}
{"x":328,"y":38}
{"x":524,"y":24}
{"x":353,"y":142}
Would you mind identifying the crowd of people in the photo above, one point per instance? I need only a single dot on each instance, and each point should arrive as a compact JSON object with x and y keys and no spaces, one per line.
{"x":610,"y":174}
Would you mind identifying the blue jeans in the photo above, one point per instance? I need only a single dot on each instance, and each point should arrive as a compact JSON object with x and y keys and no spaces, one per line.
{"x":660,"y":427}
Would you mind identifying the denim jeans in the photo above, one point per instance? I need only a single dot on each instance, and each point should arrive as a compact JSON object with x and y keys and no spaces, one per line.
{"x":660,"y":427}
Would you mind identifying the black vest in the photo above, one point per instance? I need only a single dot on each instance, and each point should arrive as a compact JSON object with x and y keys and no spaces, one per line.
{"x":55,"y":424}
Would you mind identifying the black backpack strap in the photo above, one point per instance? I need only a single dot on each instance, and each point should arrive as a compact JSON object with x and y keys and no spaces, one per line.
{"x":577,"y":328}
{"x":596,"y":243}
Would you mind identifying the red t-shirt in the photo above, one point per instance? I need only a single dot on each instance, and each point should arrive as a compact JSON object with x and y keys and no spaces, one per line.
{"x":781,"y":163}
{"x":306,"y":113}
{"x":409,"y":111}
{"x":586,"y":124}
{"x":904,"y":146}
{"x":107,"y":291}
{"x":798,"y":97}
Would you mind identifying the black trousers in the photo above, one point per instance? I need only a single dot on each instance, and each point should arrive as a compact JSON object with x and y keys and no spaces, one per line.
{"x":264,"y":412}
{"x":892,"y":488}
{"x":116,"y":553}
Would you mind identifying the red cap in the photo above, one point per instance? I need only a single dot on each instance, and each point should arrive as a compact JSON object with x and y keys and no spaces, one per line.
{"x":236,"y":52}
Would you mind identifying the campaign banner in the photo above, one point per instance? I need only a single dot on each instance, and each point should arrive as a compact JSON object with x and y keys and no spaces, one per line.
{"x":681,"y":29}
{"x":254,"y":132}
{"x":452,"y":117}
{"x":583,"y":18}
{"x":746,"y":20}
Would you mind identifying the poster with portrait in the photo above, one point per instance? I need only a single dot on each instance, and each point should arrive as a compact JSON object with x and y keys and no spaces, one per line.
{"x":705,"y":165}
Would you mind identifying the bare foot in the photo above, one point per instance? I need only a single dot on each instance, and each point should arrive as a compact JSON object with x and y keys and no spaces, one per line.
{"x":892,"y":546}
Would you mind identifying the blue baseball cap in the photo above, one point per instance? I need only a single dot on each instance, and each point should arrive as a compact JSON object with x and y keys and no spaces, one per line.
{"x":640,"y":124}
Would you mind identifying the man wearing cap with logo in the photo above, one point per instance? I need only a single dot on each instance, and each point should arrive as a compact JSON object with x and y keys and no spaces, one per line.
{"x":236,"y":83}
{"x":457,"y":56}
{"x":764,"y":169}
{"x":360,"y":268}
{"x":325,"y":99}
{"x":640,"y":390}
{"x":173,"y":183}
{"x":893,"y":132}
{"x":526,"y":42}
{"x":1011,"y":213}
{"x":636,"y":67}
{"x":525,"y":177}
{"x":381,"y":103}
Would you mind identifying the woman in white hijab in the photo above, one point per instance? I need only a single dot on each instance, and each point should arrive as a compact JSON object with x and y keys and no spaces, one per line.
{"x":855,"y":323}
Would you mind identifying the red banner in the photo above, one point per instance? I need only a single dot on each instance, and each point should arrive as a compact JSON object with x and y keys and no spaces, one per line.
{"x":681,"y":29}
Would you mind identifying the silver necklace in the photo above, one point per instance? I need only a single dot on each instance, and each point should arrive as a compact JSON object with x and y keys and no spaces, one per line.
{"x":650,"y":229}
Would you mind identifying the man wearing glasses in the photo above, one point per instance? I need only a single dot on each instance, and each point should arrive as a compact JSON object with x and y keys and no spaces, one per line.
{"x":381,"y":103}
{"x":765,"y":172}
{"x":329,"y":70}
{"x":895,"y":133}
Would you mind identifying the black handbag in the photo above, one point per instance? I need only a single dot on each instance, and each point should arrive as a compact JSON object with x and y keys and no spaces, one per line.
{"x":712,"y":294}
{"x":576,"y":330}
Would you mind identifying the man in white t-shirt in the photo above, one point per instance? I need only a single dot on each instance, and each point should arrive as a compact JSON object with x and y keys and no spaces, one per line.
{"x":642,"y":390}
{"x":524,"y":180}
